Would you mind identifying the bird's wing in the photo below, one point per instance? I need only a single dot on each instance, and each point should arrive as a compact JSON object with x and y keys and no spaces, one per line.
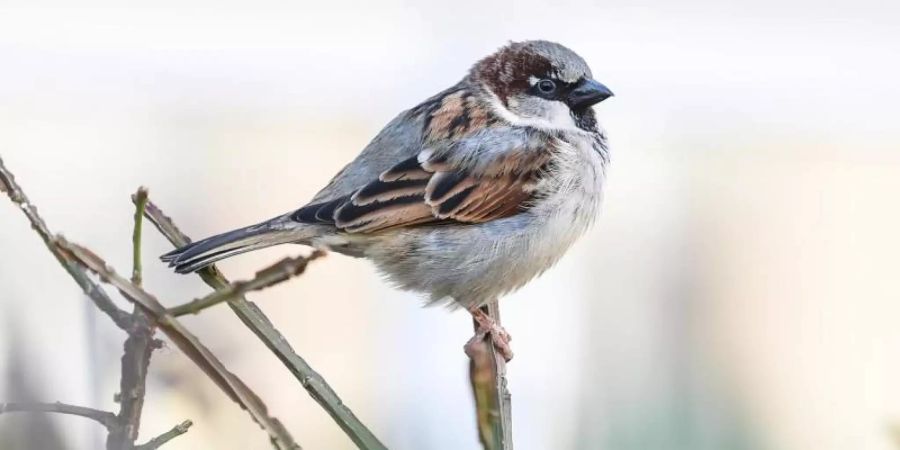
{"x":400,"y":139}
{"x":477,"y":180}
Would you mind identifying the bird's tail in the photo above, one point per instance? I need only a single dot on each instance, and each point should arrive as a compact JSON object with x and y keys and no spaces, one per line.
{"x":195,"y":256}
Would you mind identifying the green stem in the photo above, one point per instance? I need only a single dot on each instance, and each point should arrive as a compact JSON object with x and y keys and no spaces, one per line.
{"x":140,"y":205}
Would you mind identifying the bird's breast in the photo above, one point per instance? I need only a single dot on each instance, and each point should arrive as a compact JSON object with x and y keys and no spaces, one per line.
{"x":567,"y":202}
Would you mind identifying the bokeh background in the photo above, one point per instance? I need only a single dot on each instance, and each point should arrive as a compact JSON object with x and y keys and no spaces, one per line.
{"x":740,"y":290}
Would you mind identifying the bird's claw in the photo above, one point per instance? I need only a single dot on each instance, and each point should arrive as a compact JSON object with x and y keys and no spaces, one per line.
{"x":488,"y":327}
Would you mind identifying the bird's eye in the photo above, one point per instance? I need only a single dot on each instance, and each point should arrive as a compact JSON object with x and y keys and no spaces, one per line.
{"x":546,"y":86}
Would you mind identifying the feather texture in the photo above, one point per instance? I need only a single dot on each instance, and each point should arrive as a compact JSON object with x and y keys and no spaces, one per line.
{"x":514,"y":175}
{"x":431,"y":188}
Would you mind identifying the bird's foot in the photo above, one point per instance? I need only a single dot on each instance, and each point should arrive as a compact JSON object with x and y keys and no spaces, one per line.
{"x":488,"y":327}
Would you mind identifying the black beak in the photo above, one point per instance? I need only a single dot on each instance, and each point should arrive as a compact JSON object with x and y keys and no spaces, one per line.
{"x":588,"y":93}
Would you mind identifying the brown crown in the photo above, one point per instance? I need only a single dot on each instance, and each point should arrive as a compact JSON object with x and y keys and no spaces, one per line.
{"x":506,"y":72}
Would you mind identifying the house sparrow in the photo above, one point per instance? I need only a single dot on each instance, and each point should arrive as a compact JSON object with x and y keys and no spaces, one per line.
{"x":468,"y":195}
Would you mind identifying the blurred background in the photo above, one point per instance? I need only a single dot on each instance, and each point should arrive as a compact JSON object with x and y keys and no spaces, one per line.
{"x":739,"y":291}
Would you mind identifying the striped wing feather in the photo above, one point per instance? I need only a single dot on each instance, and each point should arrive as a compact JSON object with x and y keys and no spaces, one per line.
{"x":430,"y":191}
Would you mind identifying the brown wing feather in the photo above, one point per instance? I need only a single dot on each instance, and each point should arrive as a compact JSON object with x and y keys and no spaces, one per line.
{"x":432,"y":191}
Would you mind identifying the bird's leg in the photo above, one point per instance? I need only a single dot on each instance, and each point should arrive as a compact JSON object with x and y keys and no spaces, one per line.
{"x":487,"y":326}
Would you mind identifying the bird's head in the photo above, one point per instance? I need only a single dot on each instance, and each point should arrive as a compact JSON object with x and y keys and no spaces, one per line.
{"x":540,"y":84}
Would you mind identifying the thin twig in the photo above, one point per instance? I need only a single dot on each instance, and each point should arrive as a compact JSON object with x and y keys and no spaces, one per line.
{"x":276,"y":273}
{"x":105,"y":418}
{"x":122,"y":428}
{"x":158,"y":441}
{"x":487,"y":373}
{"x":96,"y":293}
{"x":257,"y":322}
{"x":138,"y":347}
{"x":186,"y":341}
{"x":140,"y":204}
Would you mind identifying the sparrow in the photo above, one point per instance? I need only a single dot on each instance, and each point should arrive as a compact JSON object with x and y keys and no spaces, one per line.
{"x":468,"y":195}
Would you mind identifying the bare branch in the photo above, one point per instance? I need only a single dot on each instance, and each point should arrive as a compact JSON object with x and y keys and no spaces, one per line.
{"x":138,"y":347}
{"x":123,"y":429}
{"x":107,"y":419}
{"x":487,"y":373}
{"x":186,"y":341}
{"x":158,"y":441}
{"x":121,"y":318}
{"x":256,"y":321}
{"x":276,"y":273}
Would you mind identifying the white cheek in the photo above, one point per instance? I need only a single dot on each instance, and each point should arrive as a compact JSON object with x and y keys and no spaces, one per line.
{"x":560,"y":116}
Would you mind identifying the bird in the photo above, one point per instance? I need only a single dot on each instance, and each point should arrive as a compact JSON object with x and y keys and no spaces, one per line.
{"x":466,"y":196}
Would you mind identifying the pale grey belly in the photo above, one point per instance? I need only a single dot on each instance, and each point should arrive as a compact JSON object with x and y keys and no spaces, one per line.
{"x":470,"y":264}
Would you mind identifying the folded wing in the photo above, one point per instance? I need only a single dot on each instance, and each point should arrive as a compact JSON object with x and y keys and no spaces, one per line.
{"x":431,"y":189}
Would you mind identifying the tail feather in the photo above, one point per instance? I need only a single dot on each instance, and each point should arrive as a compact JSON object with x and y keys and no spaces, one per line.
{"x":195,"y":256}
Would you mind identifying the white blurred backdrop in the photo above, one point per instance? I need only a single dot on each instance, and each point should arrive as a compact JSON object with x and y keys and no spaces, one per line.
{"x":740,"y":290}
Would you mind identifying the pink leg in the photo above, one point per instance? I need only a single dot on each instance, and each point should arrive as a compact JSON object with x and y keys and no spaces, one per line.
{"x":487,"y":326}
